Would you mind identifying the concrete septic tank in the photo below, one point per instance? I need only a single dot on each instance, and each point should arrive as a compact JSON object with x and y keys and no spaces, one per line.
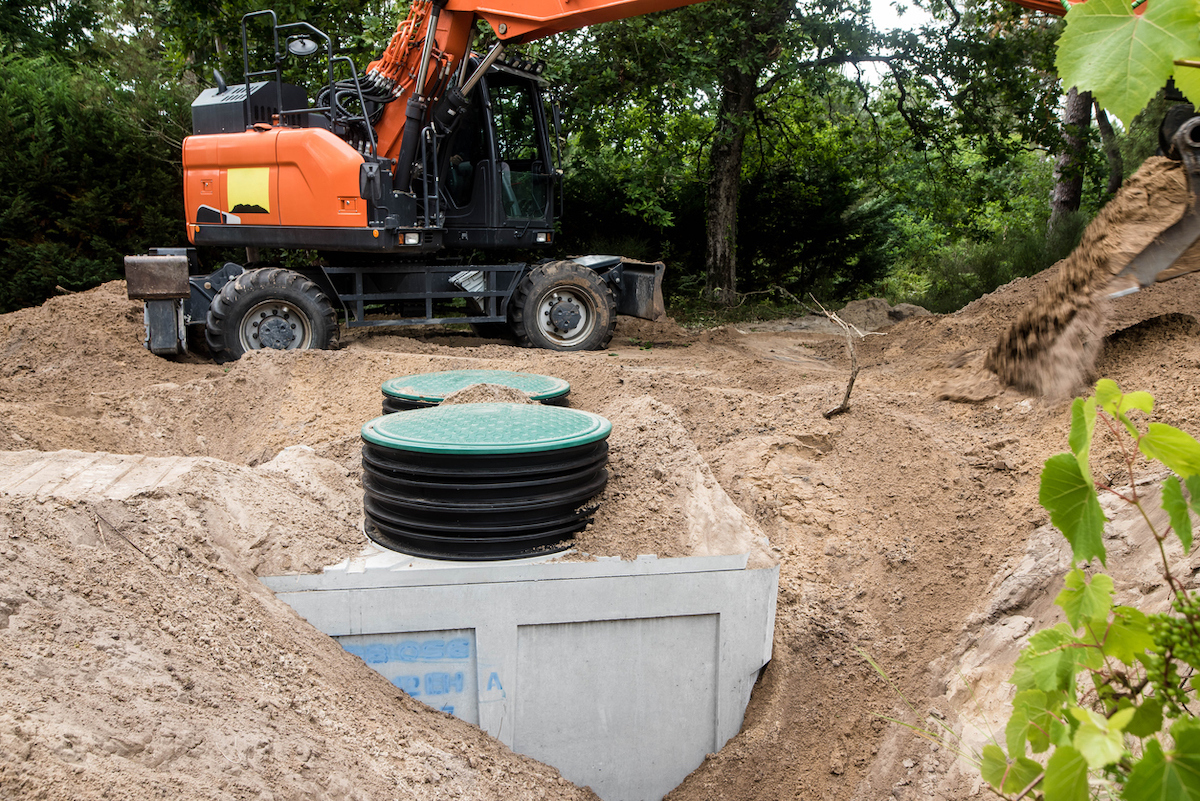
{"x":622,"y":675}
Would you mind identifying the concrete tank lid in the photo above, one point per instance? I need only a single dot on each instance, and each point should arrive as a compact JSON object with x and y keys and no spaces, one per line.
{"x":486,"y":428}
{"x":434,"y":387}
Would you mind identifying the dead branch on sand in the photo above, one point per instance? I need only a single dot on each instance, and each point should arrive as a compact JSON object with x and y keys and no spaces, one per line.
{"x":851,"y":331}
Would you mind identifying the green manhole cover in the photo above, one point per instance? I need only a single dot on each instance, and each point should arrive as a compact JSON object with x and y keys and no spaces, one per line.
{"x":435,"y":387}
{"x":486,"y":428}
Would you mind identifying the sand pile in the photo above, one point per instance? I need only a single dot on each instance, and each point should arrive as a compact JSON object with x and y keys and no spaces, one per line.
{"x":140,"y":656}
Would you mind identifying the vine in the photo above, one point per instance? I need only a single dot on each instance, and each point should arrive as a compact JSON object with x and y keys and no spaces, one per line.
{"x":1102,"y":703}
{"x":1124,"y":53}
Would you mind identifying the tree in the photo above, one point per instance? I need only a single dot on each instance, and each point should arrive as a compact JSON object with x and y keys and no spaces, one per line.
{"x":754,"y":33}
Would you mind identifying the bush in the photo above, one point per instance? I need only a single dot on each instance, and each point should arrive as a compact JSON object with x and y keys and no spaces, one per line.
{"x":81,"y":184}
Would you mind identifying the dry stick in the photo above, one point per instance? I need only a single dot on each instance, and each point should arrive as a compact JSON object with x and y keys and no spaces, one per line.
{"x":99,"y":517}
{"x":845,"y":405}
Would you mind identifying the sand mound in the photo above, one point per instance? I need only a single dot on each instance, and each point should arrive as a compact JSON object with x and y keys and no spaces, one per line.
{"x":140,"y":656}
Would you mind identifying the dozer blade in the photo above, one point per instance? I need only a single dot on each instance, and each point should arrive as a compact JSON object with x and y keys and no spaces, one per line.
{"x":1160,"y":260}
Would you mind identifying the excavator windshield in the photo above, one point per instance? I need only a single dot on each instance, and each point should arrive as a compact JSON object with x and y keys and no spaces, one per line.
{"x":520,"y":147}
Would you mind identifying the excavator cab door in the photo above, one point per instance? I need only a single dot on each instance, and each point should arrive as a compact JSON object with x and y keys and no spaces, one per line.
{"x":496,"y":166}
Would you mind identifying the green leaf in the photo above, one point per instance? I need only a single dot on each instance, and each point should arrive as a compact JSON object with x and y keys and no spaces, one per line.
{"x":1034,"y":714}
{"x":1108,"y":395}
{"x":1083,"y":425}
{"x":1128,"y":635}
{"x":1193,"y":487}
{"x":1066,"y":776}
{"x":1118,"y":404}
{"x":1157,"y":776}
{"x":1051,"y":660}
{"x":1177,"y":449}
{"x":1073,"y":506}
{"x":1187,"y":80}
{"x":1176,"y":507}
{"x":1086,"y":601}
{"x":1007,"y":776}
{"x":1101,"y":741}
{"x":1124,"y":56}
{"x":1147,"y":718}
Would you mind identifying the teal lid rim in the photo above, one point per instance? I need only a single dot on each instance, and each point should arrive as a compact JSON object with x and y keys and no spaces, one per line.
{"x":600,"y":429}
{"x":389,"y":386}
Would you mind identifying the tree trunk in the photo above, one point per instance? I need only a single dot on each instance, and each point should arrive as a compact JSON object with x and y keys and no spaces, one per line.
{"x":1068,"y":167}
{"x":724,"y":187}
{"x":757,"y":49}
{"x":1112,"y":151}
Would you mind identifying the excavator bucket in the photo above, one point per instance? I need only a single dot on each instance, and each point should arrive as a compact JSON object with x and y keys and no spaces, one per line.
{"x":641,"y":289}
{"x":1163,"y":259}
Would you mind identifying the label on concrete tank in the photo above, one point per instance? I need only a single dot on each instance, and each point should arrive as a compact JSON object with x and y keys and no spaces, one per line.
{"x":438,"y":667}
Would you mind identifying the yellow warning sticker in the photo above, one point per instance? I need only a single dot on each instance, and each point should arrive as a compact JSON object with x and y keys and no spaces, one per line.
{"x":249,"y":190}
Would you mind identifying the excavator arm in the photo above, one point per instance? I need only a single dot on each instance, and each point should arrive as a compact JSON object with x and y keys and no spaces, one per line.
{"x":432,"y":45}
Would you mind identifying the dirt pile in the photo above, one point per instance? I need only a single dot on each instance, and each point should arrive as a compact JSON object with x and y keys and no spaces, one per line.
{"x":139,"y":654}
{"x":1052,"y":346}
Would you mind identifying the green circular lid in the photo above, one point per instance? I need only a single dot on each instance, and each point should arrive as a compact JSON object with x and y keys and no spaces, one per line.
{"x":486,"y":428}
{"x":434,"y":387}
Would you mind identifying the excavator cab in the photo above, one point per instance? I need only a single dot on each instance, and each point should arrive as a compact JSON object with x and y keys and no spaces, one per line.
{"x":495,"y":176}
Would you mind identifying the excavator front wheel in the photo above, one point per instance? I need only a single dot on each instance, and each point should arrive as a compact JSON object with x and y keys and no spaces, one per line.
{"x":269,"y":308}
{"x":563,"y":306}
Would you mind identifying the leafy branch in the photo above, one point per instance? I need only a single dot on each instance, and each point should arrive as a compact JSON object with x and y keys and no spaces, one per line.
{"x":1102,"y":699}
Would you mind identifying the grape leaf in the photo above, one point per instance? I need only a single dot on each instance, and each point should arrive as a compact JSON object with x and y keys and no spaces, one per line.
{"x":1074,"y":509}
{"x":1066,"y":776}
{"x":1083,"y":425}
{"x":1034,"y":713}
{"x":1122,"y":55}
{"x":1051,"y":660}
{"x":1118,"y":404}
{"x":993,"y":765}
{"x":1005,"y":775}
{"x":1147,"y":718}
{"x":1193,"y":487}
{"x":1176,"y":449}
{"x":1176,"y":508}
{"x":1156,"y":776}
{"x":1187,"y":80}
{"x":1128,"y":634}
{"x":1086,"y":601}
{"x":1100,"y":740}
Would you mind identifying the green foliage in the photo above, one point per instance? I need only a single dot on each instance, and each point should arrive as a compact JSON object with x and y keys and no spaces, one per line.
{"x":79,"y":184}
{"x":1094,"y":694}
{"x":1125,"y":55}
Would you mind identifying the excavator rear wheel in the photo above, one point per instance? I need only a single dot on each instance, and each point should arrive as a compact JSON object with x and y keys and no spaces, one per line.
{"x":563,"y":306}
{"x":269,"y":308}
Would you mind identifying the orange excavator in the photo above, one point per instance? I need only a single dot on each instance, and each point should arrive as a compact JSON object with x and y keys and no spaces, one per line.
{"x":398,"y":179}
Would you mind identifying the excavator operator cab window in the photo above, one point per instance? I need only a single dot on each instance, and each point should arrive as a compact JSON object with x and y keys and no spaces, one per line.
{"x":523,"y":174}
{"x":466,"y":149}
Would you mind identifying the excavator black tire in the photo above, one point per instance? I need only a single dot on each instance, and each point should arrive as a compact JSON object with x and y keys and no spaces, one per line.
{"x":563,"y":306}
{"x":269,"y":308}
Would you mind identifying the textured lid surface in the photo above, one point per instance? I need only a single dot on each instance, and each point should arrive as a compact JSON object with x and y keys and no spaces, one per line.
{"x":434,"y":387}
{"x":486,"y":428}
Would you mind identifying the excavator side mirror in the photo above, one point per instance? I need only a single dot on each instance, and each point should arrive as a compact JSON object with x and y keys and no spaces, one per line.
{"x":370,"y":182}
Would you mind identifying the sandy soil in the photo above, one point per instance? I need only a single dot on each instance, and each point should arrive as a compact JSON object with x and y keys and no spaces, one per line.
{"x":140,"y":656}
